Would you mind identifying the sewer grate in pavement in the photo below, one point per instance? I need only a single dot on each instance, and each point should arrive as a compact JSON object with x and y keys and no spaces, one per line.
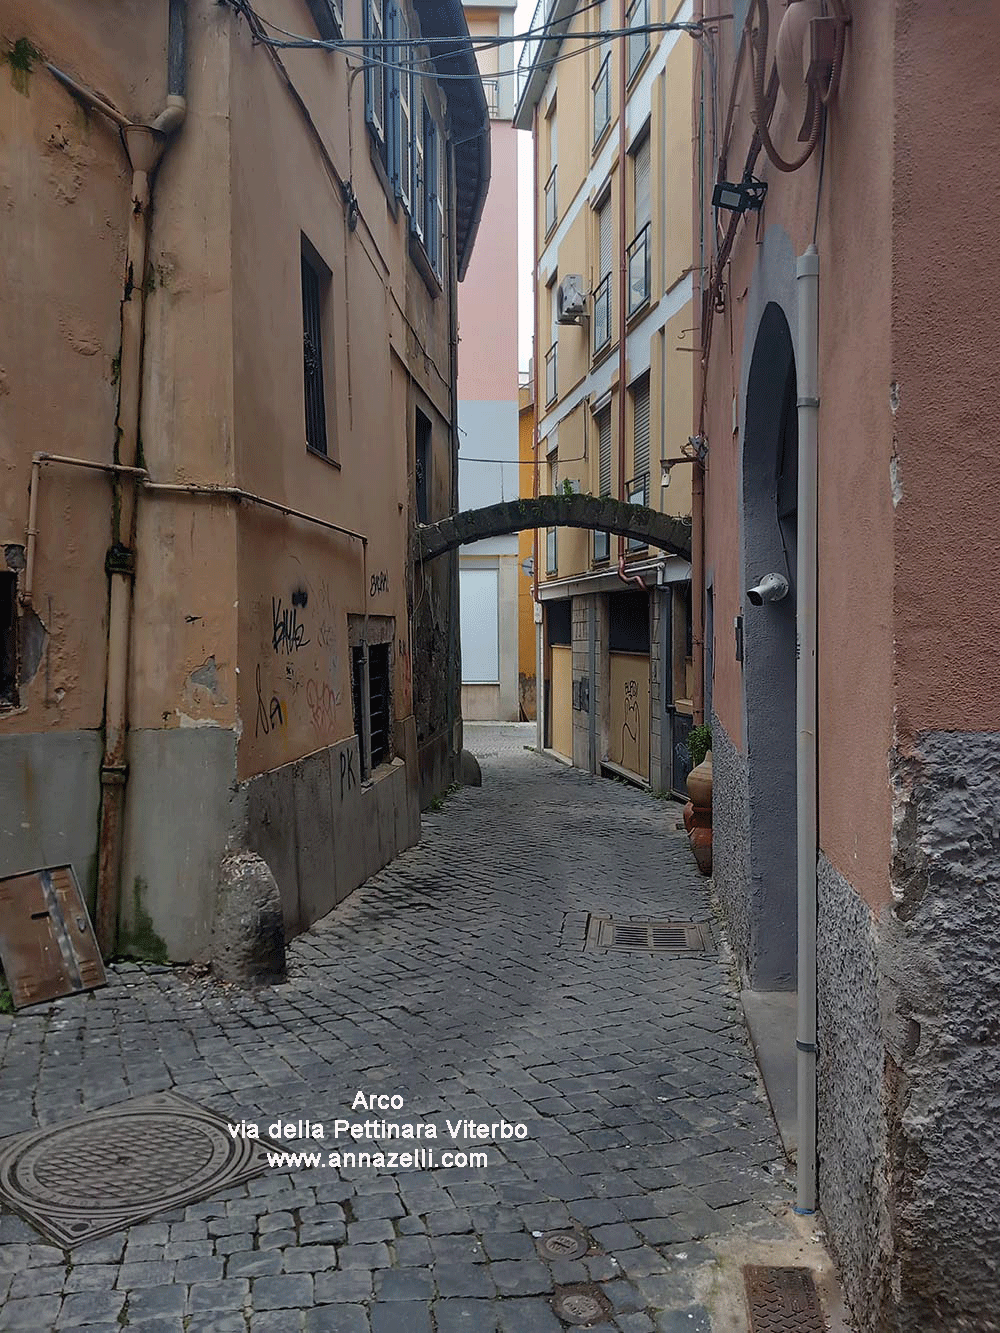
{"x":123,"y":1164}
{"x":581,"y":1304}
{"x":782,"y":1300}
{"x":562,"y":1245}
{"x":643,"y":936}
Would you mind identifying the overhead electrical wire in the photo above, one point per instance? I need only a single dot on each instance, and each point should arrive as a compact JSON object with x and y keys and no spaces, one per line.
{"x":358,"y":48}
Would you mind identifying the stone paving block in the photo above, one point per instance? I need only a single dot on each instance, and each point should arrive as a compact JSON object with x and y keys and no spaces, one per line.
{"x":285,"y":1292}
{"x":310,"y":1259}
{"x":364,"y":1256}
{"x":352,"y":1285}
{"x":458,"y":1279}
{"x":37,"y":1282}
{"x":215,"y":1323}
{"x":82,"y":1307}
{"x":465,"y":1316}
{"x":337,"y":1319}
{"x":403,"y":1284}
{"x":528,"y":1316}
{"x":400,"y":1317}
{"x":151,"y":1274}
{"x":509,"y":1245}
{"x":227,"y":1294}
{"x":156,"y":1303}
{"x":520,"y":1277}
{"x":199,"y":1270}
{"x":369,"y":1231}
{"x":255,"y":1263}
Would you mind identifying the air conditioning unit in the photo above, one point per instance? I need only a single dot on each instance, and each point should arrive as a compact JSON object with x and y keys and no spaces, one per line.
{"x":571,"y":300}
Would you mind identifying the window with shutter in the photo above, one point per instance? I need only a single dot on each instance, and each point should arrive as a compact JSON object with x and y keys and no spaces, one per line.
{"x":638,"y":491}
{"x":432,"y":237}
{"x":404,"y":100}
{"x":375,"y":82}
{"x":641,"y":180}
{"x":640,"y":430}
{"x":606,"y":239}
{"x":419,"y":204}
{"x":602,"y":540}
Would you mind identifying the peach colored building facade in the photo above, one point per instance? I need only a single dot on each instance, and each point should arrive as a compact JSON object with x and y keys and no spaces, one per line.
{"x":284,"y":347}
{"x":613,"y":318}
{"x":907,"y":734}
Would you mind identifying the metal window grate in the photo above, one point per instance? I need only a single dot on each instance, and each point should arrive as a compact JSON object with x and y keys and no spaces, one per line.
{"x":646,"y":936}
{"x":380,"y":698}
{"x":312,"y":355}
{"x":8,"y":639}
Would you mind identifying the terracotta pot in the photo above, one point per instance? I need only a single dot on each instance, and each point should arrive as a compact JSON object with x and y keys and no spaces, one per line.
{"x":699,"y":784}
{"x":688,"y":816}
{"x":701,"y":817}
{"x":701,"y":845}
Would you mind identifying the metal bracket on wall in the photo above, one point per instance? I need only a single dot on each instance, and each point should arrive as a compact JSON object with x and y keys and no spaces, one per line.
{"x":738,"y":636}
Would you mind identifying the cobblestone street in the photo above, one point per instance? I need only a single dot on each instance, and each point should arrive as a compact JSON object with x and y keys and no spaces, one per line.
{"x":455,"y":978}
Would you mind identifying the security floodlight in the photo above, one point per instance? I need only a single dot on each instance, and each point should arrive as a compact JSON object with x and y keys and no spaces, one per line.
{"x":747,"y":195}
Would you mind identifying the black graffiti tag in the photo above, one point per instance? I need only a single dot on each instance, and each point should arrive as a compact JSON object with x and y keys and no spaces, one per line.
{"x":287,"y":634}
{"x":379,"y":582}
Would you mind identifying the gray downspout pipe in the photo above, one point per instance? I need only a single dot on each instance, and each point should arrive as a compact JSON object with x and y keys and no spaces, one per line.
{"x":807,"y":371}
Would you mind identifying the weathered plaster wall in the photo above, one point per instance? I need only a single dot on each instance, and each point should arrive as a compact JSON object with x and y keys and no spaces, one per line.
{"x":941,"y":942}
{"x":184,"y":813}
{"x":49,"y":799}
{"x":730,"y":841}
{"x":342,"y":832}
{"x":852,"y":1124}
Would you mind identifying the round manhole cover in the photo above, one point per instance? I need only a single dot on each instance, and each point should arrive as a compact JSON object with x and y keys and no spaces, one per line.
{"x":562,"y":1245}
{"x":580,"y":1305}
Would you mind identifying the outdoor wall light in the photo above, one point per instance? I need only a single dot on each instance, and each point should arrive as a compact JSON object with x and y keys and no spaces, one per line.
{"x":748,"y":194}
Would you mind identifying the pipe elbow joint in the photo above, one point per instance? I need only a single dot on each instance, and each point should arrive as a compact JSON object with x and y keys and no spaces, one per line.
{"x":172,"y":116}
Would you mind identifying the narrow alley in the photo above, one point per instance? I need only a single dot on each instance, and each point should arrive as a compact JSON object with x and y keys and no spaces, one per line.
{"x":455,"y":979}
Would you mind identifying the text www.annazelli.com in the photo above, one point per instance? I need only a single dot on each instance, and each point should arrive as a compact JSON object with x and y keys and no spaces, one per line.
{"x":420,"y":1159}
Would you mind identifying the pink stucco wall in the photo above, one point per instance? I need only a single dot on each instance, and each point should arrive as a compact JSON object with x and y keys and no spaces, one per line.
{"x":487,"y":299}
{"x":856,"y":438}
{"x":944,"y":350}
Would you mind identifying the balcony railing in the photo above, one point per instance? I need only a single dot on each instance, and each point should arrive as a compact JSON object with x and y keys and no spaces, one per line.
{"x":638,"y":42}
{"x":602,"y":98}
{"x":551,"y":365}
{"x":638,"y":271}
{"x":602,"y":314}
{"x":551,"y":207}
{"x":491,"y":87}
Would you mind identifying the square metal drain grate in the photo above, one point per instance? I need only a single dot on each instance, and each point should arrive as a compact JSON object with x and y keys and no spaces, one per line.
{"x":643,"y":936}
{"x":123,"y":1164}
{"x":782,"y":1300}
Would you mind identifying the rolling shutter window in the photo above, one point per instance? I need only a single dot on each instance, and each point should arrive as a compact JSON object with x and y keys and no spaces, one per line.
{"x":642,"y":174}
{"x":606,"y":239}
{"x":640,"y":430}
{"x":604,"y":450}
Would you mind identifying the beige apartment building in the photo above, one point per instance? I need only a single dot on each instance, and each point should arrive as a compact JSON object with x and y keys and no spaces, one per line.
{"x":611,"y":125}
{"x":228,"y":393}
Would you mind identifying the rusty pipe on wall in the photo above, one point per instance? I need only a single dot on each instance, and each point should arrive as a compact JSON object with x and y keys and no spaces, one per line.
{"x":31,"y":531}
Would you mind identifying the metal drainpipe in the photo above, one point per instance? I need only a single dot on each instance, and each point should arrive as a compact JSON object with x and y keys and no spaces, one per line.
{"x":700,"y":371}
{"x":807,"y":370}
{"x":536,"y":375}
{"x":145,"y":145}
{"x":622,"y":289}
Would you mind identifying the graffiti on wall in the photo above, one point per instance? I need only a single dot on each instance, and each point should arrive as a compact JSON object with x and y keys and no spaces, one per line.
{"x":379,"y":582}
{"x":632,"y":720}
{"x":271,"y":714}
